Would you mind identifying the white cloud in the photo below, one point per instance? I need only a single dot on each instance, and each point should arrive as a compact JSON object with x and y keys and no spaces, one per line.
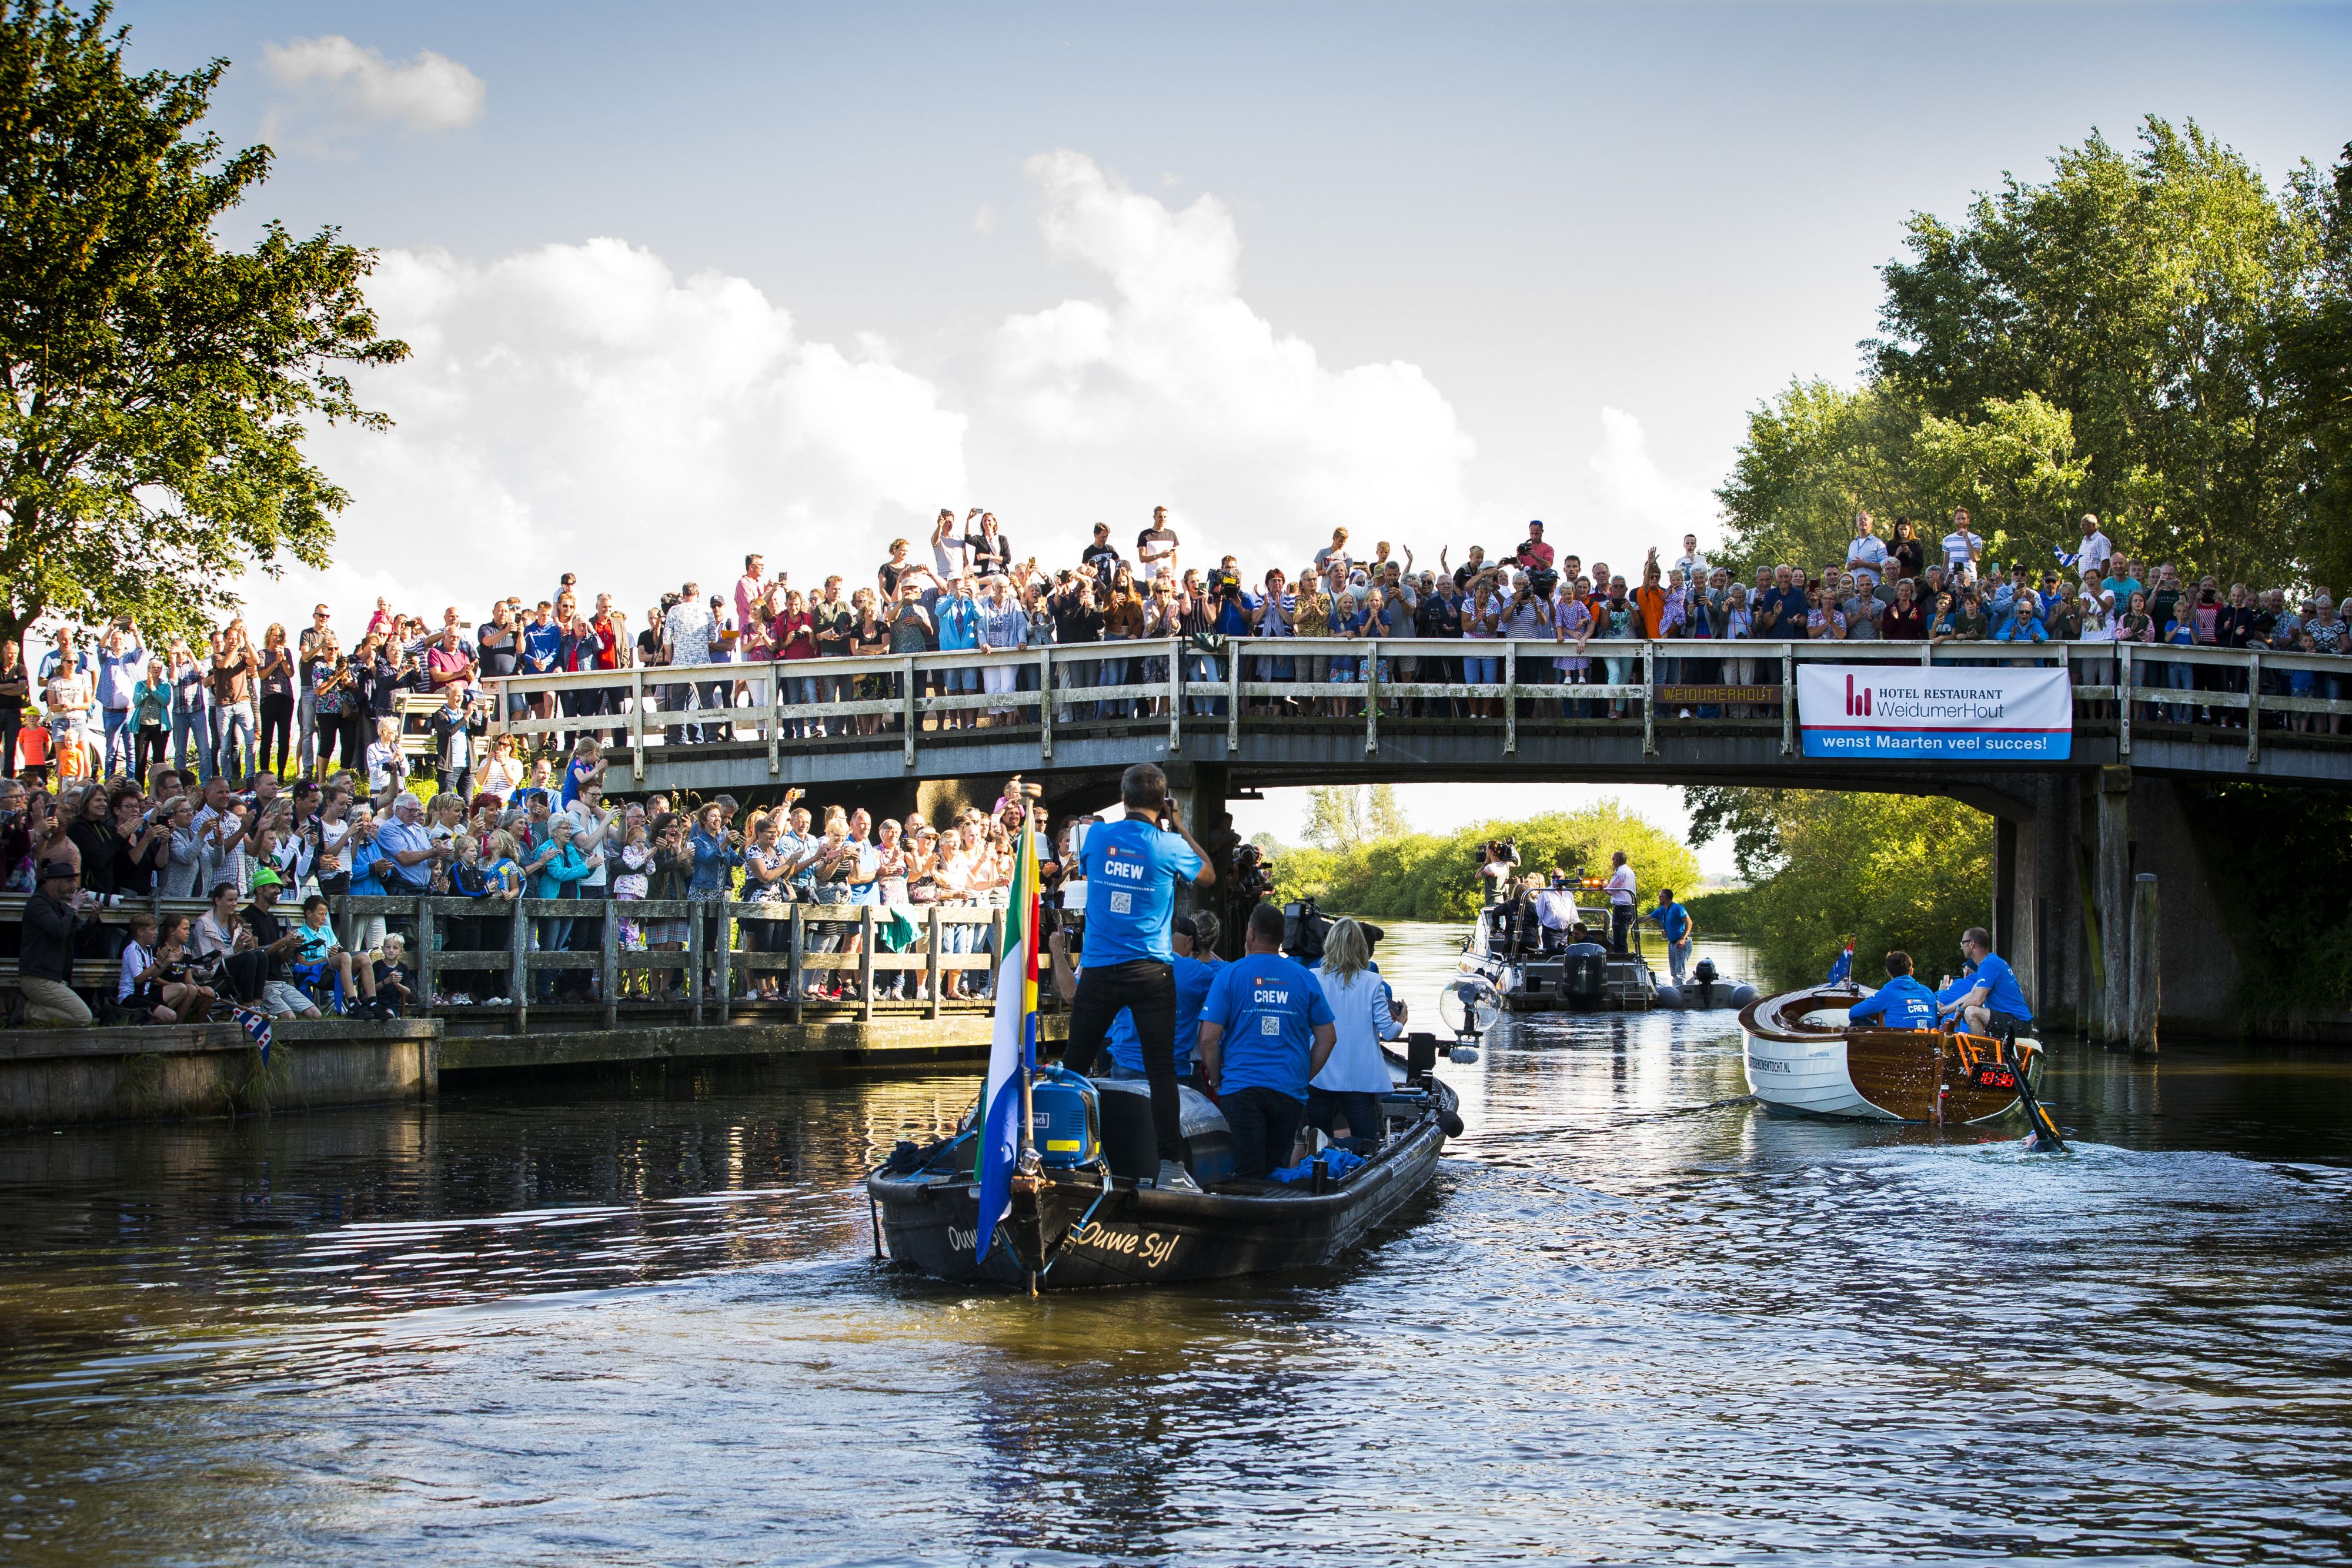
{"x":331,"y":87}
{"x":581,"y":408}
{"x":1174,"y":389}
{"x":1636,"y":503}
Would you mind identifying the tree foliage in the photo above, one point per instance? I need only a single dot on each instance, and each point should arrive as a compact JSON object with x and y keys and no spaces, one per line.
{"x":1341,"y":815}
{"x":2318,"y":354}
{"x":2153,"y":335}
{"x":2148,"y":294}
{"x":1430,"y":876}
{"x":156,"y":385}
{"x":1890,"y":870}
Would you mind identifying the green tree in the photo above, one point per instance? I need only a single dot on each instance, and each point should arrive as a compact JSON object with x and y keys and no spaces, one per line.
{"x":150,"y":440}
{"x":1890,"y":870}
{"x":1818,"y":453}
{"x":2147,"y":295}
{"x":1813,"y":456}
{"x":2318,"y":356}
{"x":1339,"y":816}
{"x":1428,"y":876}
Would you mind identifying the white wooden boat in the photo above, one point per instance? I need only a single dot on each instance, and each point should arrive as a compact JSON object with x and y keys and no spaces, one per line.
{"x":1802,"y":1055}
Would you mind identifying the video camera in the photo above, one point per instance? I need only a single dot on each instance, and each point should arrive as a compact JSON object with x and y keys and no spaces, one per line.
{"x":1544,"y":581}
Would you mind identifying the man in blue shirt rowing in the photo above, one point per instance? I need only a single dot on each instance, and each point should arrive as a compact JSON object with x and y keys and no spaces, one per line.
{"x":1901,"y":1003}
{"x":1986,"y":995}
{"x":1131,"y":868}
{"x":1265,"y":1029}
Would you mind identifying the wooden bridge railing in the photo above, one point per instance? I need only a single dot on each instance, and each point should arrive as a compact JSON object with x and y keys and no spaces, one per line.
{"x":706,"y":967}
{"x":768,"y":703}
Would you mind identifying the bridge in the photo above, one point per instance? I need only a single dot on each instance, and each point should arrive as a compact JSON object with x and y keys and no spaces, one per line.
{"x":2071,"y":835}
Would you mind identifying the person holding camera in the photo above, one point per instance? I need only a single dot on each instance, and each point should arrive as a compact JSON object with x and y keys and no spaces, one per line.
{"x":57,"y":917}
{"x":1131,"y":868}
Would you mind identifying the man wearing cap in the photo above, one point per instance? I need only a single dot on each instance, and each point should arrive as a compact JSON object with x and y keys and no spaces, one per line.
{"x":279,"y":997}
{"x":1533,"y":552}
{"x":56,"y":918}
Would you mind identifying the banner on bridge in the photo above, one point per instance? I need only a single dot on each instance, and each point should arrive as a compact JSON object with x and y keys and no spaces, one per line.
{"x":1905,"y":712}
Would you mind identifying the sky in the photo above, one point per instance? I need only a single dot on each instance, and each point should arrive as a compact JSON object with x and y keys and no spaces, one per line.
{"x":685,"y":282}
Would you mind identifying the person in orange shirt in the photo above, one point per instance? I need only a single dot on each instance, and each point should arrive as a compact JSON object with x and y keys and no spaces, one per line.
{"x":1650,"y":599}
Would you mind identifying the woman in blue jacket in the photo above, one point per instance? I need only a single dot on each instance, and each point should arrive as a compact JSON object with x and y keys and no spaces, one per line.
{"x":555,"y":872}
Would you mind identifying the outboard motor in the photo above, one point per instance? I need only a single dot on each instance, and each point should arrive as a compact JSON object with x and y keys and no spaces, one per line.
{"x":1584,"y":980}
{"x":1420,"y":1056}
{"x":1703,"y":978}
{"x":1303,"y":929}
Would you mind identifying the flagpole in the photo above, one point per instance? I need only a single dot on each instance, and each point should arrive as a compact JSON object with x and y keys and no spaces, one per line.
{"x":1025,"y":878}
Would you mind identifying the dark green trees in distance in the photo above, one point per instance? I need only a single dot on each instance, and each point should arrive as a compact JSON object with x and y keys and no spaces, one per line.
{"x":157,"y":385}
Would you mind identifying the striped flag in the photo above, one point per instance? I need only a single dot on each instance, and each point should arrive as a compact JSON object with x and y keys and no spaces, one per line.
{"x":1844,"y":968}
{"x":256,"y":1025}
{"x":1012,"y":1054}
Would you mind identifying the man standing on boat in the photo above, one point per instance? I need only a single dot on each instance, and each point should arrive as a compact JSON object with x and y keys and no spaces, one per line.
{"x":1130,"y":869}
{"x":1266,"y":1030}
{"x":1987,"y":996}
{"x":1901,"y":1003}
{"x":1674,"y":923}
{"x":1620,"y":901}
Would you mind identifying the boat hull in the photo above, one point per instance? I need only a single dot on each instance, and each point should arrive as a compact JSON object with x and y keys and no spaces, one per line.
{"x":1071,"y":1235}
{"x":1800,"y":1056}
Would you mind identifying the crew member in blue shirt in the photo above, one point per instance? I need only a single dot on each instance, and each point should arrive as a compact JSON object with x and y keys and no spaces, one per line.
{"x":1986,"y":995}
{"x":1674,"y":923}
{"x":1265,"y":1029}
{"x":1901,"y":1003}
{"x":1131,"y":868}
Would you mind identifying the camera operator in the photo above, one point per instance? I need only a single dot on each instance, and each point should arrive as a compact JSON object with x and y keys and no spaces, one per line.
{"x":1131,"y":867}
{"x":57,"y":917}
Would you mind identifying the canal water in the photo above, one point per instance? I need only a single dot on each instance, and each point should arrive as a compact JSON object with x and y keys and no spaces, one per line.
{"x":1634,"y":1319}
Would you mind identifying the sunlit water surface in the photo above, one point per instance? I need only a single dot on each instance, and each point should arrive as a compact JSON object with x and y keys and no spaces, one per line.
{"x":1636,"y":1317}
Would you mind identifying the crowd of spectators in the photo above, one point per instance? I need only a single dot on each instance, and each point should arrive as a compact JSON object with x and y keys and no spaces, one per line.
{"x":106,"y":704}
{"x":365,"y":761}
{"x":186,"y":837}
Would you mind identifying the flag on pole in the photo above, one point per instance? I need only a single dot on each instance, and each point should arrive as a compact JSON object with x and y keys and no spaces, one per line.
{"x":1844,"y":967}
{"x":1013,"y":1051}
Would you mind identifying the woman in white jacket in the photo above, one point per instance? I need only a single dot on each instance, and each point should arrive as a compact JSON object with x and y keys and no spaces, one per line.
{"x":1349,"y":1087}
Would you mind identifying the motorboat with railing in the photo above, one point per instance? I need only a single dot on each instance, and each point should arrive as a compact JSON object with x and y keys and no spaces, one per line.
{"x":1526,"y":947}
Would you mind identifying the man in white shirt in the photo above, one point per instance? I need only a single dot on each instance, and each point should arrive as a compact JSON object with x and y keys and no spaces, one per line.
{"x":1691,"y":564}
{"x":688,"y":633}
{"x":1961,"y":547}
{"x":1622,"y":894}
{"x":1867,"y":548}
{"x":2097,"y":548}
{"x":1155,"y":547}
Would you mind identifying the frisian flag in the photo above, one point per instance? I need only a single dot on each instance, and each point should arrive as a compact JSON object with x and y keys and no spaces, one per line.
{"x":1012,"y":1054}
{"x":256,"y":1024}
{"x":1844,"y":968}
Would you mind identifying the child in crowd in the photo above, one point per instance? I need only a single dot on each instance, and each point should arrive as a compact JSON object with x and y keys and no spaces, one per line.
{"x":390,"y":977}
